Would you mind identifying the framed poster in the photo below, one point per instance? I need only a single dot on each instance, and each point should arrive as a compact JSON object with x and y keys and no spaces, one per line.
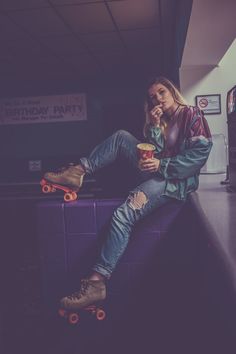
{"x":209,"y":104}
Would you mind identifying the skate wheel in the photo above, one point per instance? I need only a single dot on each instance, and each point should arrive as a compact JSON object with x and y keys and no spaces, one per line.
{"x":73,"y":318}
{"x":62,"y":312}
{"x":100,"y":314}
{"x":74,"y":195}
{"x":46,"y":188}
{"x":68,"y":197}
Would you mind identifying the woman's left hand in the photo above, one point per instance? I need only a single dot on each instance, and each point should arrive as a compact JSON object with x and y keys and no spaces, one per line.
{"x":149,"y":165}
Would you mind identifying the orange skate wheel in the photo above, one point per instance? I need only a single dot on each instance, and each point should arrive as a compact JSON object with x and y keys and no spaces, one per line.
{"x":46,"y":188}
{"x":73,"y":318}
{"x":74,"y":195}
{"x":62,"y":312}
{"x":68,"y":197}
{"x":100,"y":314}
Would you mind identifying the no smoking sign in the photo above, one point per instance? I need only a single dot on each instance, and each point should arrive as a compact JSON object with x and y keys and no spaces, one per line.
{"x":203,"y":103}
{"x":209,"y":104}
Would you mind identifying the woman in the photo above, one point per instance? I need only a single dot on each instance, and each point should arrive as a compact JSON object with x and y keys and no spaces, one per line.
{"x":182,"y":139}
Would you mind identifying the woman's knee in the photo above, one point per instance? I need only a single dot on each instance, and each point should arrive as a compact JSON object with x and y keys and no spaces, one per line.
{"x":137,"y":200}
{"x":124,"y":138}
{"x":131,"y":210}
{"x":124,"y":134}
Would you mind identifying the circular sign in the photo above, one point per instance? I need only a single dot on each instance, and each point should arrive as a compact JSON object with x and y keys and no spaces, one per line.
{"x":203,"y":102}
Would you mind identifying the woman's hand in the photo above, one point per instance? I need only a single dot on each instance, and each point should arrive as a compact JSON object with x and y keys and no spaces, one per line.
{"x":149,"y":165}
{"x":155,"y":115}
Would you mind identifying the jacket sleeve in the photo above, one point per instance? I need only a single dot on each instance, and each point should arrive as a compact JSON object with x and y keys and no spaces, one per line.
{"x":196,"y":149}
{"x":155,"y":137}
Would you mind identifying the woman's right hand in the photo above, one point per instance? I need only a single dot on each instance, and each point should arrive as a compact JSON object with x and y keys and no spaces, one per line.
{"x":155,"y":116}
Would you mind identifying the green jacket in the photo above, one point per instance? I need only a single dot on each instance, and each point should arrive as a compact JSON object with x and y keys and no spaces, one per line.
{"x":182,"y":157}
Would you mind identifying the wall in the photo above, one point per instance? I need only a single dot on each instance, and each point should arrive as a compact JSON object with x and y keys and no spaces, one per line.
{"x":208,"y":79}
{"x":74,"y":137}
{"x":111,"y":106}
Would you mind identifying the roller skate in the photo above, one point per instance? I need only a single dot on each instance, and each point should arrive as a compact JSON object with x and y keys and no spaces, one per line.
{"x":68,"y":179}
{"x":87,"y":299}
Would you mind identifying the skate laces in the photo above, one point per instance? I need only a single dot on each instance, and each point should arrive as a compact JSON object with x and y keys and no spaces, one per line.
{"x":58,"y":172}
{"x":78,"y":294}
{"x":61,"y":170}
{"x":71,"y":167}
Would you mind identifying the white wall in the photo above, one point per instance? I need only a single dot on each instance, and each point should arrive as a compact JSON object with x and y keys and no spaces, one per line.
{"x":211,"y":31}
{"x":209,"y":57}
{"x":205,"y":79}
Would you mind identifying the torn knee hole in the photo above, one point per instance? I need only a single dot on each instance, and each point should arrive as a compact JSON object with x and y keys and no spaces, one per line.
{"x":137,"y":200}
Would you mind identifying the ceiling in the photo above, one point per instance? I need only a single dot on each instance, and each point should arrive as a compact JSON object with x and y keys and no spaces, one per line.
{"x":206,"y":44}
{"x":63,"y":40}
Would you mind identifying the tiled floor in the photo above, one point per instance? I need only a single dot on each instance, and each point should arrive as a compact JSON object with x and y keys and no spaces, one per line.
{"x":180,"y":307}
{"x":217,"y":209}
{"x":171,"y":312}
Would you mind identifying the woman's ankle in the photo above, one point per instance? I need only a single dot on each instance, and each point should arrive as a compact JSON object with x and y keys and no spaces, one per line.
{"x":97,"y":276}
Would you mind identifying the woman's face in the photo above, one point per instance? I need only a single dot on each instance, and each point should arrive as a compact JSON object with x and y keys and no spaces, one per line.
{"x":160,"y":95}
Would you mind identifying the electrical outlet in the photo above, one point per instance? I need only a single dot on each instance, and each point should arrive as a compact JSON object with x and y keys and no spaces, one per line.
{"x":35,"y":165}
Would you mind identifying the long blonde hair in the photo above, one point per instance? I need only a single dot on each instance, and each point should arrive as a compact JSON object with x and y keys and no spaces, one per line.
{"x":178,"y":98}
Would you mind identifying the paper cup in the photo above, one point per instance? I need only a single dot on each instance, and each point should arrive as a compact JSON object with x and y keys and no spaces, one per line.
{"x":145,"y":151}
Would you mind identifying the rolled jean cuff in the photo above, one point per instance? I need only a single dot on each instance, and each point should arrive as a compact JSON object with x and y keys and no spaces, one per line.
{"x":86,"y":165}
{"x":101,"y":270}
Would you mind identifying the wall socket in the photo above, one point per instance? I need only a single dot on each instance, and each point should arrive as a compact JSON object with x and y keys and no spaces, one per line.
{"x":35,"y":165}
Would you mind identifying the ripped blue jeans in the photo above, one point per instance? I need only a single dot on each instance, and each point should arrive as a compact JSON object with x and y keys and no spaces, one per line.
{"x":141,"y":201}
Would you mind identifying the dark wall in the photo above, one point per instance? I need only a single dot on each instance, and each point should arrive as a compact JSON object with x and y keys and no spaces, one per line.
{"x":110,"y":106}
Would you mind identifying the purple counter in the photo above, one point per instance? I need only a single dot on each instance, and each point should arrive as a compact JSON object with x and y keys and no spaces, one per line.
{"x":70,"y":236}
